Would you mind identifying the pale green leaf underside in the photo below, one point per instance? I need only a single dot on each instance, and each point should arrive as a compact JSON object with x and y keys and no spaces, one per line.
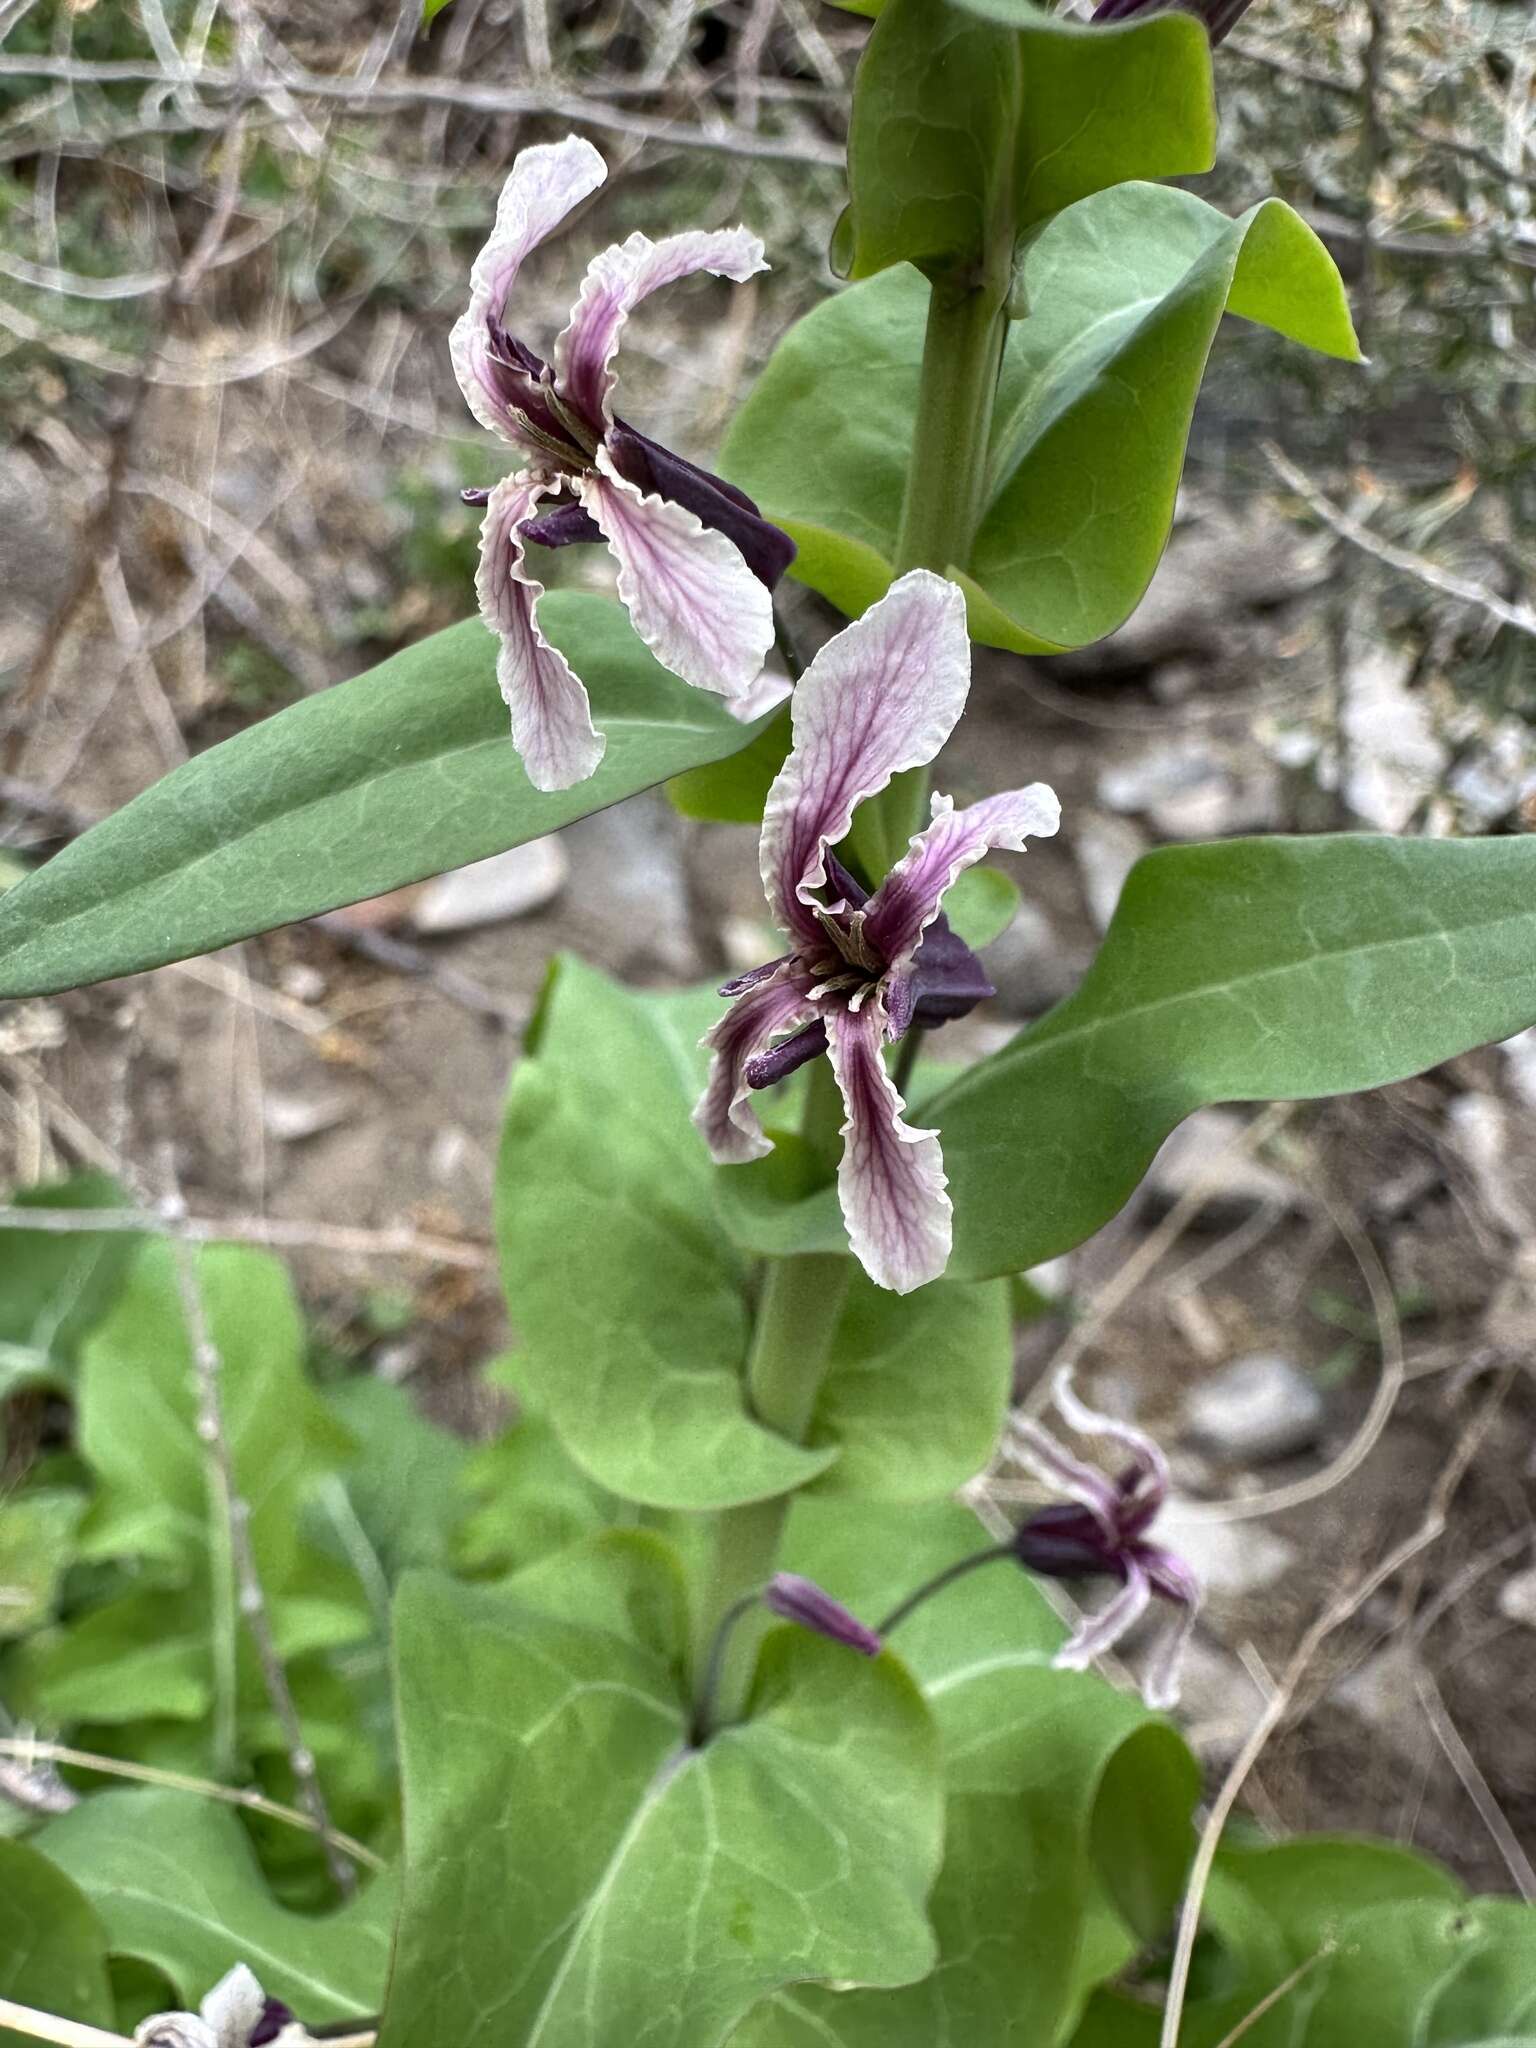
{"x":1097,"y":392}
{"x":579,"y":1878}
{"x":398,"y":774}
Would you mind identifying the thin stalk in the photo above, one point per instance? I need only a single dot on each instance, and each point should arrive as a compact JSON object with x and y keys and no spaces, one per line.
{"x":939,"y":1582}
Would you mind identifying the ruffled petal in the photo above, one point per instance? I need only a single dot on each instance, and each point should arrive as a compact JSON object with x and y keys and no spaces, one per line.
{"x":544,"y":184}
{"x":689,"y":595}
{"x":882,"y":696}
{"x":724,"y":1116}
{"x":1172,"y":1580}
{"x":551,"y":719}
{"x":616,"y":282}
{"x":765,"y":548}
{"x":908,"y":900}
{"x":1054,"y":1465}
{"x":1100,"y":1632}
{"x":234,"y":2006}
{"x":1147,"y":1487}
{"x":891,"y":1178}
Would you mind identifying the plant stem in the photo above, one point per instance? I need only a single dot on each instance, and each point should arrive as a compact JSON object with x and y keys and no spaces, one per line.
{"x":796,"y":1317}
{"x":945,"y":494}
{"x":802,"y":1298}
{"x":946,"y":483}
{"x":947,"y":1577}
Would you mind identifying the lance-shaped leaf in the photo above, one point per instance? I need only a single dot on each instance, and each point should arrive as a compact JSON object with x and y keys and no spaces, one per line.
{"x":1250,"y":970}
{"x":578,"y":1877}
{"x":633,"y":1304}
{"x":175,"y":1882}
{"x":973,"y":120}
{"x":1126,"y":290}
{"x":1062,"y":1795}
{"x":398,"y":774}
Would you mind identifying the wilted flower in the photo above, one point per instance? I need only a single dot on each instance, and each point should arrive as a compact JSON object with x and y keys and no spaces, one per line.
{"x":236,"y":2014}
{"x":1219,"y":16}
{"x":696,"y":563}
{"x":881,"y":697}
{"x":803,"y":1602}
{"x":1104,"y":1533}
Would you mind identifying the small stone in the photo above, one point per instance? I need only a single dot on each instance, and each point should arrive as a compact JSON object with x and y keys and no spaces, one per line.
{"x":1228,"y":1557}
{"x":505,"y":885}
{"x":1394,"y":759}
{"x":1207,"y":1147}
{"x":292,"y":1118}
{"x":1384,"y":1694}
{"x":1029,"y":966}
{"x":305,"y":984}
{"x":1254,"y":1410}
{"x":1517,"y":1598}
{"x":1106,"y":849}
{"x":1156,"y":775}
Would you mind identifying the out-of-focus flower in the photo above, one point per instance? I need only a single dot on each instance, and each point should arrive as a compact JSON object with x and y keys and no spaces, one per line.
{"x":803,"y":1602}
{"x":233,"y":2015}
{"x":1102,"y":1530}
{"x":1219,"y":16}
{"x":696,"y":562}
{"x":881,"y":697}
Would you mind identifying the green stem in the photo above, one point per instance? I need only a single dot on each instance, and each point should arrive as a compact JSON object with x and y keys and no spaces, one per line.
{"x":945,"y":497}
{"x":946,"y":483}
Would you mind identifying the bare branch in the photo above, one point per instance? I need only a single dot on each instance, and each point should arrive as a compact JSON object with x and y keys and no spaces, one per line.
{"x":1521,"y":617}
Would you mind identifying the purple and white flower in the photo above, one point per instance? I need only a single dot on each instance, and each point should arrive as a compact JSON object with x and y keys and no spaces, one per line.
{"x":1102,"y":1530}
{"x":696,"y":562}
{"x":236,"y":2014}
{"x":880,"y":698}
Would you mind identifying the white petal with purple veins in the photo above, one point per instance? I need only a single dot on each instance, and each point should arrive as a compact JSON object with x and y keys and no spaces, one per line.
{"x":910,"y":897}
{"x":724,"y":1116}
{"x":1145,"y":1454}
{"x":689,"y":595}
{"x":542,"y":187}
{"x":891,"y":1178}
{"x":616,"y":282}
{"x":882,"y":696}
{"x":1055,"y":1465}
{"x":1098,"y":1633}
{"x":551,"y":718}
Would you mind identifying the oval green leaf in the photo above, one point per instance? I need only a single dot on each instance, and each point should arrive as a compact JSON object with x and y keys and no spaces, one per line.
{"x":1250,"y":970}
{"x":398,"y":774}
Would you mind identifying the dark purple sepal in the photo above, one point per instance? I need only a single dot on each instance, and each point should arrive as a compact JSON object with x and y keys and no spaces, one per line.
{"x":948,"y":979}
{"x":782,"y":1060}
{"x":1219,"y":17}
{"x":561,"y":526}
{"x":1066,"y":1542}
{"x":804,"y":1603}
{"x":521,"y":382}
{"x":476,"y":494}
{"x":274,"y":2017}
{"x":764,"y":547}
